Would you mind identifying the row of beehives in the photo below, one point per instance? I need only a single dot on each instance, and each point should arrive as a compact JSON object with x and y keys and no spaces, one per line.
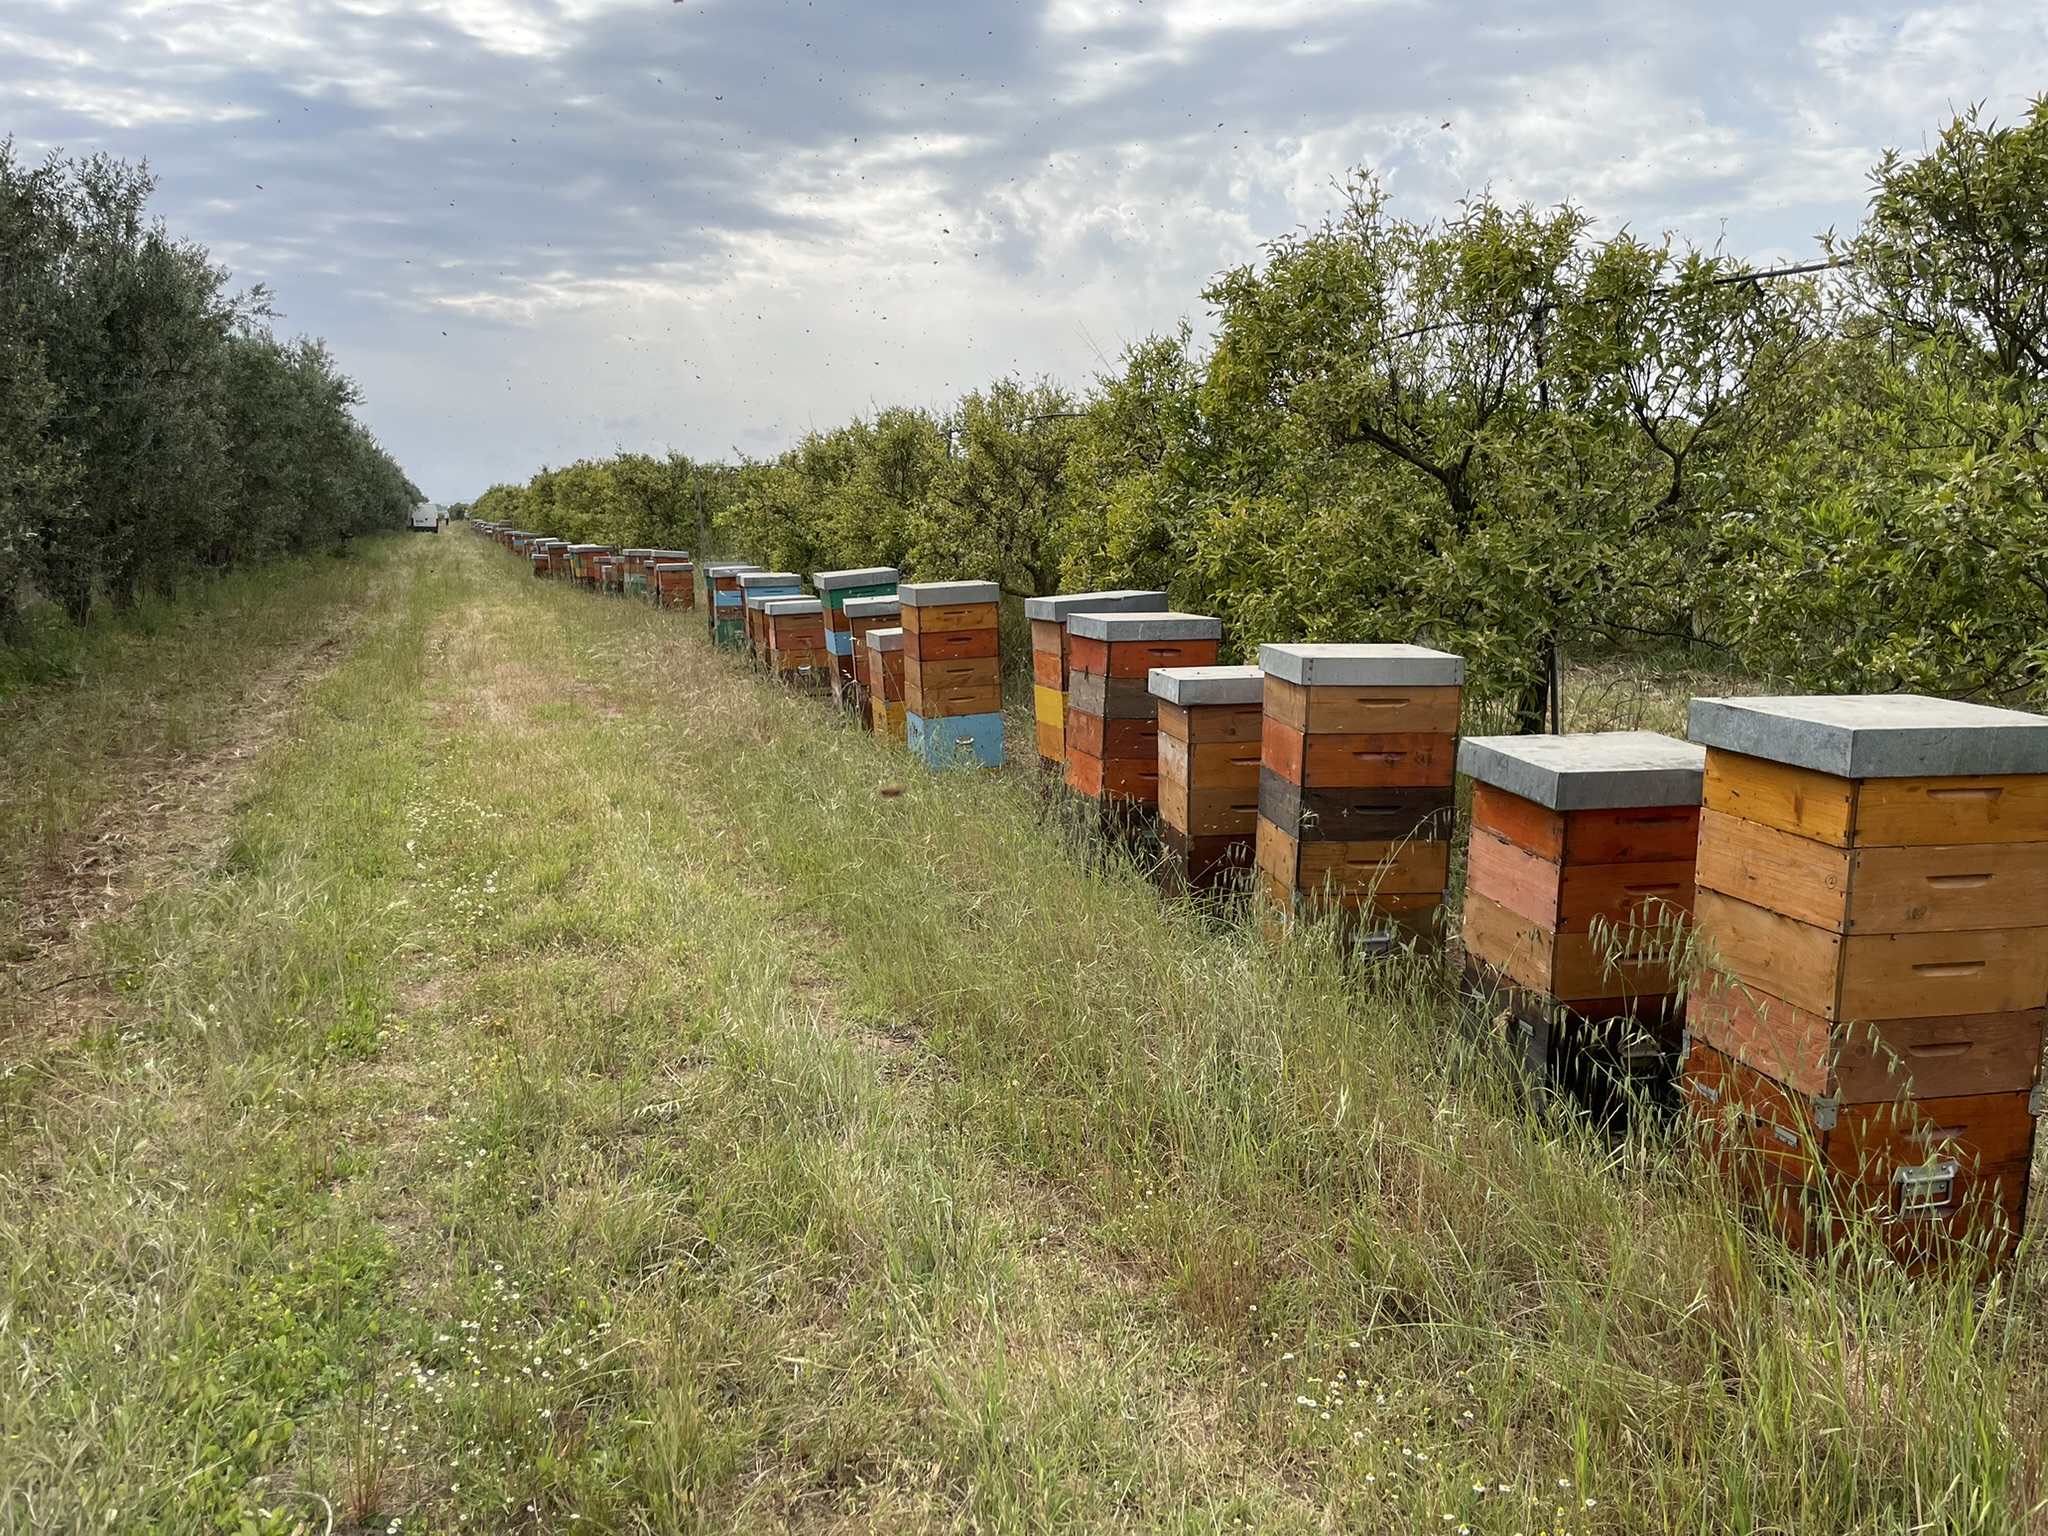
{"x":664,"y":577}
{"x":1867,"y":875}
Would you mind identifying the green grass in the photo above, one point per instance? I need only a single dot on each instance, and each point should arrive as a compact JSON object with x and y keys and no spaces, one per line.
{"x":568,"y":1093}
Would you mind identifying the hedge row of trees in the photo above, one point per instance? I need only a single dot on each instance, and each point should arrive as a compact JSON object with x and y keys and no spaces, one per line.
{"x":1499,"y":432}
{"x":151,"y":425}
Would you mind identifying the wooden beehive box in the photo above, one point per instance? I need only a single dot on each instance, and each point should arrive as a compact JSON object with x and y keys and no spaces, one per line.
{"x":672,"y":583}
{"x":1050,"y":644}
{"x":882,"y":649}
{"x":952,"y":673}
{"x":1578,"y":889}
{"x":756,"y":587}
{"x":863,"y":614}
{"x":794,"y":628}
{"x":1210,"y":725}
{"x":1112,"y":734}
{"x":834,"y":588}
{"x":727,"y":614}
{"x":1873,"y":881}
{"x":1358,"y":749}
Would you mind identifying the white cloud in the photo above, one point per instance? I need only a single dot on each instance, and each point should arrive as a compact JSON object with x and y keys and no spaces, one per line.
{"x":712,"y":224}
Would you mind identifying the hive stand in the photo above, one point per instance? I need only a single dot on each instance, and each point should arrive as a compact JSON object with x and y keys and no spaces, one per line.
{"x":1050,"y":657}
{"x":725,"y":612}
{"x":1210,"y":723}
{"x":883,"y":691}
{"x":1112,"y":740}
{"x":863,"y":614}
{"x":1578,"y":887}
{"x":834,"y":588}
{"x":1873,"y":878}
{"x":756,"y":587}
{"x":793,"y":629}
{"x":1358,"y":748}
{"x":952,"y":673}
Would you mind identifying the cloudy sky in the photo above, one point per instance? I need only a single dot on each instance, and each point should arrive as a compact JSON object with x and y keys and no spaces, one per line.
{"x":539,"y":229}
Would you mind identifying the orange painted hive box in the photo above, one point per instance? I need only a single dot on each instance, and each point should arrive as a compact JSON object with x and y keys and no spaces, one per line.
{"x":1050,"y":644}
{"x":794,"y":628}
{"x":1578,"y":893}
{"x":861,"y":614}
{"x":1210,"y":723}
{"x":1358,"y":749}
{"x":1112,"y":727}
{"x":1873,"y":881}
{"x":882,"y":690}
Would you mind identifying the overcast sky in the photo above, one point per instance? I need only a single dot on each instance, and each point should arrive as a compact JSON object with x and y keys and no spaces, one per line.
{"x":540,"y":229}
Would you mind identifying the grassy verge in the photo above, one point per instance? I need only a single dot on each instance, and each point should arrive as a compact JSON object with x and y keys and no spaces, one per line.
{"x":583,"y":1092}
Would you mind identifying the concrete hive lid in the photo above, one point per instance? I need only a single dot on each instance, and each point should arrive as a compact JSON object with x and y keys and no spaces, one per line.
{"x":1058,"y":609}
{"x":869,"y":607}
{"x":1876,"y":735}
{"x":1125,"y":627}
{"x":790,"y":607}
{"x":945,"y":594}
{"x":1600,"y":770}
{"x":867,"y":576}
{"x":884,"y":639}
{"x":760,"y":578}
{"x":1196,"y":686}
{"x":1362,"y":666}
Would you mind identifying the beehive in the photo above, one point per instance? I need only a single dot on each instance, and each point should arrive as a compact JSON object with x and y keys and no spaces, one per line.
{"x":537,"y":557}
{"x":756,"y":586}
{"x":558,"y":559}
{"x":1209,"y":741}
{"x":582,"y":563}
{"x":834,"y":588}
{"x":1112,"y":737}
{"x":863,"y":614}
{"x":883,"y":694}
{"x":1578,"y":886}
{"x":1873,"y":879}
{"x":1050,"y":644}
{"x":611,"y":574}
{"x":727,"y":613}
{"x":672,"y":582}
{"x":793,"y":629}
{"x":633,"y":569}
{"x":1358,"y":749}
{"x":952,"y":673}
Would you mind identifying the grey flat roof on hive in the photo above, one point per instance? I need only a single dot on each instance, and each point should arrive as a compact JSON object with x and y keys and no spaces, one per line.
{"x":1145,"y":626}
{"x":760,"y":578}
{"x":942,"y":594}
{"x":868,"y":607}
{"x":1323,"y":665}
{"x":1600,"y":770}
{"x":1057,"y":609}
{"x":884,"y":639}
{"x":1876,"y":735}
{"x":868,"y":576}
{"x":790,"y":605}
{"x":1193,"y":687}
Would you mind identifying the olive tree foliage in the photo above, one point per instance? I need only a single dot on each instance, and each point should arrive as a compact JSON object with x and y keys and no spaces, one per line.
{"x":1489,"y":432}
{"x":632,"y":501}
{"x":1900,"y":537}
{"x":151,"y":426}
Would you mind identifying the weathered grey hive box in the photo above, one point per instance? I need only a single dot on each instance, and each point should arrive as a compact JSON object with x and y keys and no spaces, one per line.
{"x":1060,"y":608}
{"x":866,"y":576}
{"x":946,"y":594}
{"x":1601,"y":770}
{"x":872,"y":607}
{"x":1362,"y":666}
{"x":884,"y":639}
{"x":1196,"y":687}
{"x":1122,"y":628}
{"x":1876,"y":735}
